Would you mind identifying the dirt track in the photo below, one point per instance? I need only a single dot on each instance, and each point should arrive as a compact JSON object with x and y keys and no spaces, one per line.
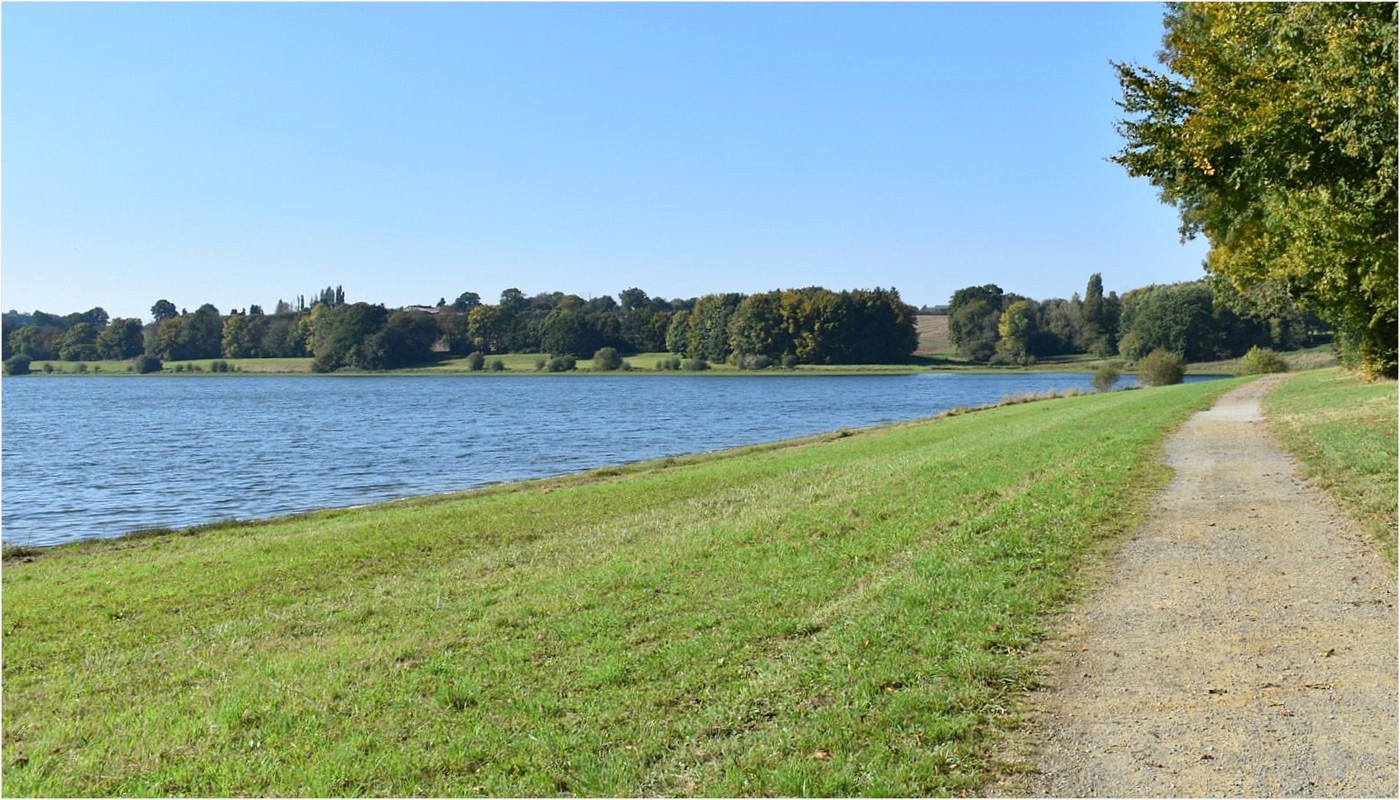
{"x":1244,"y":645}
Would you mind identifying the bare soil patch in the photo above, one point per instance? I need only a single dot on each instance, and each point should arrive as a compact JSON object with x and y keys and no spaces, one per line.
{"x":1244,"y":645}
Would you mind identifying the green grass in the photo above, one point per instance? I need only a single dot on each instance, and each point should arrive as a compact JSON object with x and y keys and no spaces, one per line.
{"x":843,"y":616}
{"x":71,"y":367}
{"x":196,"y":365}
{"x":1343,"y":430}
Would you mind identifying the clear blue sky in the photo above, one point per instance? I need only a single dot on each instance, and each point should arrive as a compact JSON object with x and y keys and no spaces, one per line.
{"x":242,"y":153}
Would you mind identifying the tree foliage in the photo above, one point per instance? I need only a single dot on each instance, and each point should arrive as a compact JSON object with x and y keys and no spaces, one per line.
{"x":17,"y":365}
{"x":164,"y":309}
{"x":1016,"y":328}
{"x":1273,"y":131}
{"x":974,"y":326}
{"x":79,"y":343}
{"x":121,"y":340}
{"x":1186,"y":319}
{"x":189,"y":336}
{"x":1191,"y":319}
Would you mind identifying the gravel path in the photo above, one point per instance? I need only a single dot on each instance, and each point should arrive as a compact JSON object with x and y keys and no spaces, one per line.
{"x":1245,"y":644}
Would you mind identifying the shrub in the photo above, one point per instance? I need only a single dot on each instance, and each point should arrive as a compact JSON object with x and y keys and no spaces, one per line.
{"x":561,"y":364}
{"x":697,"y":365}
{"x":147,"y":363}
{"x":218,"y":366}
{"x":607,"y":359}
{"x":1105,"y":378}
{"x":1131,"y":347}
{"x":790,"y":361}
{"x":1261,"y":361}
{"x":1001,"y":360}
{"x":754,"y":362}
{"x":497,"y":365}
{"x":476,"y":361}
{"x":18,"y":365}
{"x":1160,"y":368}
{"x":325,"y":362}
{"x":81,"y":368}
{"x":540,"y":364}
{"x":48,"y":368}
{"x":1102,"y":347}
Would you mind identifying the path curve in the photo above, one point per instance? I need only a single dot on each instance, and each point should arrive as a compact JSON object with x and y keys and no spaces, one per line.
{"x":1244,"y":645}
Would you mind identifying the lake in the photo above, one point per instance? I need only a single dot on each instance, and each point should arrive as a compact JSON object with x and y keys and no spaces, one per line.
{"x":102,"y":456}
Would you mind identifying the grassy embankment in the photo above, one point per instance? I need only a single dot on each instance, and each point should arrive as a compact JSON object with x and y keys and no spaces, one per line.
{"x":843,"y":616}
{"x":1319,"y":357}
{"x":1343,"y":430}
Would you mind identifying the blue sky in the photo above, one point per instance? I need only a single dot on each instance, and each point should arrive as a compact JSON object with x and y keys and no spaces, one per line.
{"x":242,"y":153}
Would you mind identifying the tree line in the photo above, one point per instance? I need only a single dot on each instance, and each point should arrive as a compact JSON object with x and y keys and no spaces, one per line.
{"x":1197,"y":320}
{"x":813,"y":325}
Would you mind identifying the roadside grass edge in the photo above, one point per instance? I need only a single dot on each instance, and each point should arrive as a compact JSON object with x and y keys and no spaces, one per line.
{"x":1341,"y":431}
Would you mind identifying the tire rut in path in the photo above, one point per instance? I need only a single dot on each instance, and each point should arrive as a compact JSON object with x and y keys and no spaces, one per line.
{"x":1244,"y":645}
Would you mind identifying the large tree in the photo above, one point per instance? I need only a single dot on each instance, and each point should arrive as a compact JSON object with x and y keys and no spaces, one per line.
{"x":709,"y":326}
{"x":756,"y":328}
{"x":1273,"y":131}
{"x":121,"y":340}
{"x":565,"y":332}
{"x":163,"y":310}
{"x":1016,"y":328}
{"x":79,"y":343}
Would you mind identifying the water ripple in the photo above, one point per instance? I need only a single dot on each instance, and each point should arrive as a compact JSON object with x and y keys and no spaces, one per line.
{"x":101,"y":456}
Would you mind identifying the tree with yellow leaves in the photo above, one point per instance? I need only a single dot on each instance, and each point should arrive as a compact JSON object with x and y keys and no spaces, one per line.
{"x":1274,"y":133}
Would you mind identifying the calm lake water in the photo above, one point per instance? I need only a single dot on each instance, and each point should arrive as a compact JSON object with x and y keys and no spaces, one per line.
{"x":102,"y":456}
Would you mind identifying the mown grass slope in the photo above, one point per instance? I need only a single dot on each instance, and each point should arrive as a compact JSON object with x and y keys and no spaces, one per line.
{"x":1343,"y":430}
{"x":844,"y":617}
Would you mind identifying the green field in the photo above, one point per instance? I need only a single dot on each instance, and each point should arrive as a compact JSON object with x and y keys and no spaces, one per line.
{"x":197,"y":365}
{"x":1343,"y":431}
